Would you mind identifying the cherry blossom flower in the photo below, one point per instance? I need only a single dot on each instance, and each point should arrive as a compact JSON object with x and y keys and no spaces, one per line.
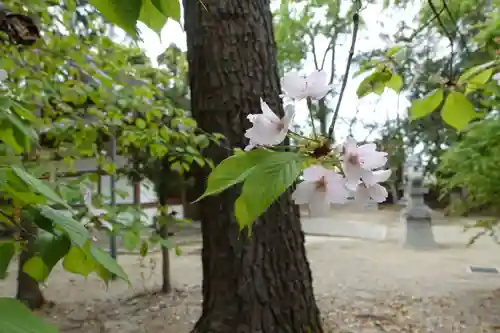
{"x":268,"y":129}
{"x":320,"y":188}
{"x":3,"y":75}
{"x":358,"y":163}
{"x":296,"y":86}
{"x":375,"y":191}
{"x":496,"y":77}
{"x":95,"y":212}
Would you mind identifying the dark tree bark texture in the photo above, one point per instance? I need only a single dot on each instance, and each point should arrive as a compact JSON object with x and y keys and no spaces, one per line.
{"x":263,"y":283}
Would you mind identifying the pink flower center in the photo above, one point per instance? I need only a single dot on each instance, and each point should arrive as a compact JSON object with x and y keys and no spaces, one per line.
{"x":353,"y":159}
{"x":280,"y":126}
{"x":321,"y":184}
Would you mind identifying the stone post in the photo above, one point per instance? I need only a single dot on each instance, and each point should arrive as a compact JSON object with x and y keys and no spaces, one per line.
{"x":417,"y":215}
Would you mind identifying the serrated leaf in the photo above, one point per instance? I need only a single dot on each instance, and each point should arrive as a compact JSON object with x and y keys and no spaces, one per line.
{"x":422,"y":107}
{"x":152,"y":17}
{"x":131,"y":239}
{"x":123,"y":13}
{"x":474,"y":71}
{"x":7,"y":251}
{"x":169,"y":8}
{"x":234,"y":170}
{"x":54,"y":249}
{"x":75,"y":230}
{"x":374,"y":82}
{"x":36,"y":268}
{"x":110,"y":264}
{"x":265,"y":184}
{"x":78,"y":261}
{"x":457,"y":110}
{"x":39,"y":186}
{"x":481,"y":78}
{"x":393,"y":50}
{"x":15,"y":317}
{"x":395,"y":83}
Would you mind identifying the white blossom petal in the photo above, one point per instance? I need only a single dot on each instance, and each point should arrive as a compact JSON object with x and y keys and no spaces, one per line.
{"x":317,"y":86}
{"x":352,"y":175}
{"x":314,"y":173}
{"x":319,"y":205}
{"x":368,"y":177}
{"x":303,"y":193}
{"x":374,"y":160}
{"x":107,"y":225}
{"x":496,"y":77}
{"x":362,"y":195}
{"x":382,"y":175}
{"x":337,"y":191}
{"x":294,"y":85}
{"x":267,"y":112}
{"x":378,"y":193}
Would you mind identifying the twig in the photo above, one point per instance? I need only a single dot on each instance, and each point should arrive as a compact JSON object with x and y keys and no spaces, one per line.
{"x":450,"y":37}
{"x":422,"y":27}
{"x":457,"y":28}
{"x":309,"y":107}
{"x":355,"y":20}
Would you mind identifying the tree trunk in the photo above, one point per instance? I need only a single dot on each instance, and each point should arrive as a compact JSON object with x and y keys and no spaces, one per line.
{"x":28,"y":289}
{"x":263,"y":283}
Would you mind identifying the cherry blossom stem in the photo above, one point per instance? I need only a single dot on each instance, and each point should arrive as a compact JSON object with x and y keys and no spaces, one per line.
{"x":355,"y":20}
{"x":309,"y":108}
{"x":303,"y":137}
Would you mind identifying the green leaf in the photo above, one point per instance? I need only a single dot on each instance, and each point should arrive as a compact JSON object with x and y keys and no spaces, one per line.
{"x":471,"y":72}
{"x":169,"y":8}
{"x":234,"y":170}
{"x":75,"y":230}
{"x":7,"y":251}
{"x":15,"y":317}
{"x":395,"y":83}
{"x":481,"y":78}
{"x":144,"y":249}
{"x":123,"y":13}
{"x":54,"y":250}
{"x":457,"y":110}
{"x":39,"y":186}
{"x":77,"y":261}
{"x":422,"y":107}
{"x":393,"y":50}
{"x":374,"y":82}
{"x":110,"y":264}
{"x":36,"y":268}
{"x":155,"y":20}
{"x":131,"y":239}
{"x":19,"y":134}
{"x":265,"y":184}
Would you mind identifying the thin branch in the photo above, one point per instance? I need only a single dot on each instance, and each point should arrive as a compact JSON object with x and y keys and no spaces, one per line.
{"x":421,"y":28}
{"x":313,"y":50}
{"x":333,"y":42}
{"x":450,"y":37}
{"x":309,"y":106}
{"x":355,"y":20}
{"x":457,"y":28}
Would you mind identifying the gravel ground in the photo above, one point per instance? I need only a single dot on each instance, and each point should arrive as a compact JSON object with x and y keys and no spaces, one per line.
{"x":361,"y":286}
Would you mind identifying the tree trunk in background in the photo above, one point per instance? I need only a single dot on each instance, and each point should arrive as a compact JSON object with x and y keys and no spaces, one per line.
{"x":262,"y":284}
{"x":28,"y":289}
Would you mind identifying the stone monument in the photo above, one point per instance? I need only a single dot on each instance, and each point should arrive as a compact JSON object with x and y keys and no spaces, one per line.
{"x":417,"y":215}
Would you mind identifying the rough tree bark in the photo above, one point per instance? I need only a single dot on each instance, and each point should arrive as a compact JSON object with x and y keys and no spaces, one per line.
{"x":262,"y":284}
{"x":28,"y":289}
